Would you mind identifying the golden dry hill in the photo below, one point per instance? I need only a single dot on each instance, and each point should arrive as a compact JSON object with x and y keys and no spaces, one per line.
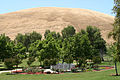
{"x":55,"y":19}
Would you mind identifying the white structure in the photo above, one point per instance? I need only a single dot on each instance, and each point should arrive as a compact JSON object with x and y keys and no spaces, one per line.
{"x":63,"y":66}
{"x":49,"y":70}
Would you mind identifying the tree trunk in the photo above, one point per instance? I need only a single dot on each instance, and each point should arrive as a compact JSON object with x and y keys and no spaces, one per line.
{"x":116,"y":68}
{"x":16,"y":66}
{"x":101,"y":54}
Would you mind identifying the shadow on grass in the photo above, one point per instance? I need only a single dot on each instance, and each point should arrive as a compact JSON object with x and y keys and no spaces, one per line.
{"x":115,"y":75}
{"x":10,"y":74}
{"x":4,"y":69}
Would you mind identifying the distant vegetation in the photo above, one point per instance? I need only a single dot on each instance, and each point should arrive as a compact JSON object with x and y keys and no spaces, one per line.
{"x":68,"y":47}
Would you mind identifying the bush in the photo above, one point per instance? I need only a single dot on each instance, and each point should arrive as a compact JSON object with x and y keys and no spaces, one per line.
{"x":95,"y":67}
{"x":33,"y":70}
{"x":74,"y":70}
{"x":89,"y":70}
{"x":9,"y":63}
{"x":97,"y":60}
{"x":61,"y":70}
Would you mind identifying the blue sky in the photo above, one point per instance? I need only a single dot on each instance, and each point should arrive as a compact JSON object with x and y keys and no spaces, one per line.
{"x":104,"y":6}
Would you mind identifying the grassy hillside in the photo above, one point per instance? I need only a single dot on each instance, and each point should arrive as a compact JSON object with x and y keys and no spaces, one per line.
{"x":55,"y":19}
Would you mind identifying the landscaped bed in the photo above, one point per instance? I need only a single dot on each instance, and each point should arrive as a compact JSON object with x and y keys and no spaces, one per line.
{"x":34,"y":70}
{"x":102,"y":68}
{"x":38,"y":70}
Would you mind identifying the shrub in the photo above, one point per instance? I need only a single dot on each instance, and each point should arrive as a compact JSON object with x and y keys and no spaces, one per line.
{"x":97,"y":60}
{"x":33,"y":70}
{"x":95,"y":67}
{"x":74,"y":70}
{"x":9,"y":63}
{"x":61,"y":70}
{"x":89,"y":70}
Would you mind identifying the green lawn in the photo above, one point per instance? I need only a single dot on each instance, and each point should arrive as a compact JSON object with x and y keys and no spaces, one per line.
{"x":102,"y":75}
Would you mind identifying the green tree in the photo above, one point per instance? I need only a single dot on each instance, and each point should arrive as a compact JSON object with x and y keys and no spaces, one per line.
{"x":68,"y":31}
{"x":47,"y":49}
{"x":66,"y":44}
{"x":28,"y":38}
{"x":19,"y":53}
{"x":115,"y":33}
{"x":34,"y":36}
{"x":4,"y":47}
{"x":34,"y":51}
{"x":53,"y":36}
{"x":68,"y":48}
{"x":46,"y":33}
{"x":19,"y":38}
{"x":82,"y":48}
{"x":112,"y":52}
{"x":97,"y":42}
{"x":24,"y":39}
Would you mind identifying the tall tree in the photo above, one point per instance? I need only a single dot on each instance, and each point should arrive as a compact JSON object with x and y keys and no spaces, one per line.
{"x":34,"y":51}
{"x":112,"y":52}
{"x":68,"y":48}
{"x":115,"y":33}
{"x":82,"y":47}
{"x":19,"y":53}
{"x":4,"y":47}
{"x":97,"y":42}
{"x":47,"y":49}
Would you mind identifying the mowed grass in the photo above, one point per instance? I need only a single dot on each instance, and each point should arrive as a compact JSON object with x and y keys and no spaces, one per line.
{"x":99,"y":75}
{"x":103,"y":75}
